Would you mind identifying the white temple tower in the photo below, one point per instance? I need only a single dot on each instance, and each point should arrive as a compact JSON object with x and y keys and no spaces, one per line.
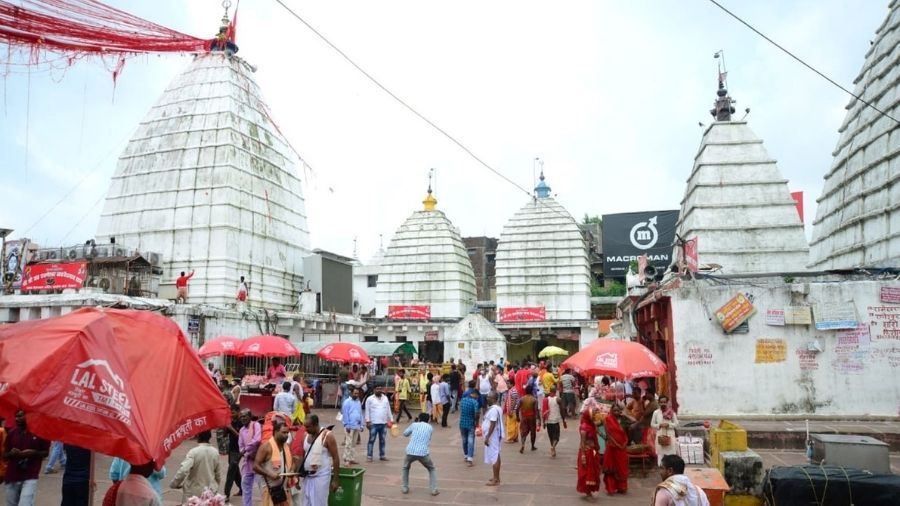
{"x":426,"y":265}
{"x":210,"y":183}
{"x":858,"y":218}
{"x":542,"y":260}
{"x":737,"y":204}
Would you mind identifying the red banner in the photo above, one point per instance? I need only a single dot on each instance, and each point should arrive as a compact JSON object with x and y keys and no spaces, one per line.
{"x":798,"y":199}
{"x":409,"y":312}
{"x":54,"y":276}
{"x":523,"y":314}
{"x":690,"y":254}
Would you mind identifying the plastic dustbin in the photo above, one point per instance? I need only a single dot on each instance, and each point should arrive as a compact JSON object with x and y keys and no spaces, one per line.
{"x":349,"y":492}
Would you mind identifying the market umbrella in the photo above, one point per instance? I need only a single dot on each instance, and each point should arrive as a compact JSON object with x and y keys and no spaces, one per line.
{"x":267,"y":346}
{"x":613,"y":357}
{"x":553,"y":351}
{"x":344,"y":353}
{"x":121,"y":382}
{"x":222,"y":345}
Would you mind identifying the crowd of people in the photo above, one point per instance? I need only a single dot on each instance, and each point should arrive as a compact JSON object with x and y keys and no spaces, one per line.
{"x":511,"y":403}
{"x":290,"y":459}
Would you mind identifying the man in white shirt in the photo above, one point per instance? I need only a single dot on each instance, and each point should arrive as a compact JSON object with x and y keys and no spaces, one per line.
{"x":136,"y":490}
{"x":437,"y":407}
{"x":378,"y":416}
{"x":676,"y":488}
{"x":286,"y":401}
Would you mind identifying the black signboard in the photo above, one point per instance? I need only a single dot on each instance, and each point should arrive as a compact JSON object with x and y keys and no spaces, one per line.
{"x":627,"y":236}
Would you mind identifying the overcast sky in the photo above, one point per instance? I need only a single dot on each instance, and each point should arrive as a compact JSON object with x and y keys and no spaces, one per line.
{"x":608,"y":93}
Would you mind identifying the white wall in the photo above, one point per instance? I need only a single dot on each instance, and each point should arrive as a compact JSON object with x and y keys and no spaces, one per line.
{"x":718,"y":374}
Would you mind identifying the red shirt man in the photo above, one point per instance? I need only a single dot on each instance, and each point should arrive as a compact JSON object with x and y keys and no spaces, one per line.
{"x":23,"y":452}
{"x":181,"y":284}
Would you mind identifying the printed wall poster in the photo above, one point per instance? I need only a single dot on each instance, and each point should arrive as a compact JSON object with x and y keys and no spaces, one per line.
{"x":770,"y":351}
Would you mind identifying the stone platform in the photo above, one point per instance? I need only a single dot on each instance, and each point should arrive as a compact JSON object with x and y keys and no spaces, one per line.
{"x":791,"y":434}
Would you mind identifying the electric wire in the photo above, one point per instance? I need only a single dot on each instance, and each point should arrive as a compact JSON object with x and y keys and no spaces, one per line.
{"x":81,"y":181}
{"x":411,"y":109}
{"x":807,"y":65}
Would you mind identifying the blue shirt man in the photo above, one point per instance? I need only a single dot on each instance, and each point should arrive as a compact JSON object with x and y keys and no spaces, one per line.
{"x":445,"y":391}
{"x":351,"y":413}
{"x":469,"y":409}
{"x":286,"y":402}
{"x":419,"y":435}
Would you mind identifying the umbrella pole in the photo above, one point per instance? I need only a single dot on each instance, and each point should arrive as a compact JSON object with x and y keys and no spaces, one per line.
{"x":91,"y":484}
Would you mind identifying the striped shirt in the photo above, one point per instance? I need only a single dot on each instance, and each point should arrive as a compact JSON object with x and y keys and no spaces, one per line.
{"x":421,"y":437}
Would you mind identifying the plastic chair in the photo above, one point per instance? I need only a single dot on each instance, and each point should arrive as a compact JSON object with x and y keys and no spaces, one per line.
{"x":648,"y":439}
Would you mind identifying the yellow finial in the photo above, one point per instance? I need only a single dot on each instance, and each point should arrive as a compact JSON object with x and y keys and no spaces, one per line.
{"x":430,"y":202}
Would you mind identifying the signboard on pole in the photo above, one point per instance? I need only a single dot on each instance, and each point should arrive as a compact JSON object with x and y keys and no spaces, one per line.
{"x":627,"y":236}
{"x":522,"y":314}
{"x":409,"y":312}
{"x":54,"y":276}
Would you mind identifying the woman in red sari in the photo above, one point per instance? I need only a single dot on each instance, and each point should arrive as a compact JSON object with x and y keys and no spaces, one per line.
{"x":588,"y":455}
{"x":615,"y":459}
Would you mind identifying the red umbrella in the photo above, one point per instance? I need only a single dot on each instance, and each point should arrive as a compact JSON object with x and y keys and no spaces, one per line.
{"x":344,"y":352}
{"x":612,"y":357}
{"x":267,"y":346}
{"x":121,"y":382}
{"x":222,"y":345}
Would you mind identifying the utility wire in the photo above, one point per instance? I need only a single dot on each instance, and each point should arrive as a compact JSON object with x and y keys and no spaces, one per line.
{"x":810,"y":67}
{"x":404,"y":104}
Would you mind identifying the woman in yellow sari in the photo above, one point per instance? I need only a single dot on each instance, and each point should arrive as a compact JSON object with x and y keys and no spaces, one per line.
{"x":510,"y":404}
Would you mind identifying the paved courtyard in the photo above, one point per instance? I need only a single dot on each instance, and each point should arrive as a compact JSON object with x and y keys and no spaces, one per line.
{"x":530,"y":479}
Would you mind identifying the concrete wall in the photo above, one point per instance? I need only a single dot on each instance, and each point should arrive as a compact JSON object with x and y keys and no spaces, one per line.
{"x":725,"y":375}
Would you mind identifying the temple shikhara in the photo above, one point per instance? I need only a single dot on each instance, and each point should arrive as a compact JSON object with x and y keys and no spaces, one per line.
{"x":210,"y":186}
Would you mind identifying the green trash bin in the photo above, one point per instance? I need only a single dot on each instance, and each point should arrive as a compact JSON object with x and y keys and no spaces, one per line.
{"x":349,"y":492}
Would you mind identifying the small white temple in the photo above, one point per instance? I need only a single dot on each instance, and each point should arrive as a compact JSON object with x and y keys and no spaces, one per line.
{"x":210,"y":183}
{"x":858,"y":218}
{"x":474,"y":340}
{"x":542,"y":260}
{"x":737,"y":204}
{"x":426,"y":265}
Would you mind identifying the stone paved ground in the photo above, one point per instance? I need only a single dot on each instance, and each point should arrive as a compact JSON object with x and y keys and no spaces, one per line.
{"x":530,"y":479}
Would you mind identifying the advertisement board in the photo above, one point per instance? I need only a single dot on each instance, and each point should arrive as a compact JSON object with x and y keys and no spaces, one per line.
{"x":735,"y":312}
{"x":627,"y":236}
{"x":54,"y":276}
{"x":14,"y":258}
{"x":409,"y":312}
{"x":522,"y":314}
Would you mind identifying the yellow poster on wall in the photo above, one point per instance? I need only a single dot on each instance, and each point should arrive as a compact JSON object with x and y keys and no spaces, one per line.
{"x":770,"y":351}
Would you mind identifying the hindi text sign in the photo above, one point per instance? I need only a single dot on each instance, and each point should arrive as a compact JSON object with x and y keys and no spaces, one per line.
{"x":835,"y":315}
{"x":736,"y":311}
{"x":770,"y":351}
{"x":775,"y":317}
{"x":890,"y":294}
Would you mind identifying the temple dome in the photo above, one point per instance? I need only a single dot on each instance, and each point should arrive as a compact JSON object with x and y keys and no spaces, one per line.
{"x":738,"y":206}
{"x":209,"y":182}
{"x":542,"y":260}
{"x":858,"y":217}
{"x":426,"y":264}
